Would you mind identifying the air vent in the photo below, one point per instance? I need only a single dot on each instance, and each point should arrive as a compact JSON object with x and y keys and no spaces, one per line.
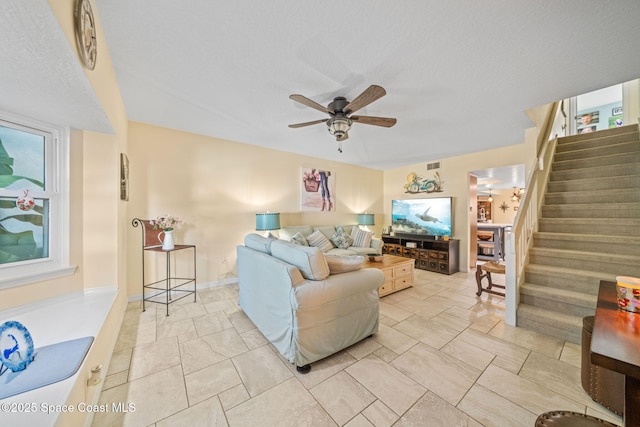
{"x":432,"y":166}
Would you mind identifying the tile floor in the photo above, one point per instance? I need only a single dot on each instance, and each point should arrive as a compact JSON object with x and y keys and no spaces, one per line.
{"x":442,"y":357}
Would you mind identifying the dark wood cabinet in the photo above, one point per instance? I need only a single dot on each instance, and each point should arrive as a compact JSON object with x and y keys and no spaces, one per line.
{"x":440,"y":256}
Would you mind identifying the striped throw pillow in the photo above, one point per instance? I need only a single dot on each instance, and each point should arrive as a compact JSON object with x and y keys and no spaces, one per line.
{"x":361,"y":238}
{"x":320,"y":241}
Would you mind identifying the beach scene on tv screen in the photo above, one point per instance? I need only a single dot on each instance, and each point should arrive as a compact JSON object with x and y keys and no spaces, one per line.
{"x":422,"y":216}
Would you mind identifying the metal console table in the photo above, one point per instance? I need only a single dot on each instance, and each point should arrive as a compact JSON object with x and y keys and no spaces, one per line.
{"x":169,"y":289}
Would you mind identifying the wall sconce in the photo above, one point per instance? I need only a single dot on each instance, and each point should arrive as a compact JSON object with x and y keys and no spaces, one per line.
{"x":517,"y":194}
{"x":267,"y":221}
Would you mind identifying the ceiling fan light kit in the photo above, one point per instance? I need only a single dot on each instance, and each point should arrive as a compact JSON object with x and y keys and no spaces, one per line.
{"x":340,"y":111}
{"x":338,"y":126}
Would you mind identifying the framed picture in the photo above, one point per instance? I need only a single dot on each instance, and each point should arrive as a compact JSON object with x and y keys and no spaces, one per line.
{"x":586,"y":121}
{"x":317,"y":190}
{"x":124,"y":177}
{"x":588,"y":118}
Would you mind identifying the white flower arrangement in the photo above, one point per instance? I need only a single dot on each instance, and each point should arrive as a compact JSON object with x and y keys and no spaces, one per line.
{"x":166,"y":222}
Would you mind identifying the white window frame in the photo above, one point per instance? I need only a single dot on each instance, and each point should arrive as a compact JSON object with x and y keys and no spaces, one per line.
{"x":56,"y":264}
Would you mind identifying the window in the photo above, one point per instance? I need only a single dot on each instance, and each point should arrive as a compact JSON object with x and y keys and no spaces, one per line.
{"x":33,"y":201}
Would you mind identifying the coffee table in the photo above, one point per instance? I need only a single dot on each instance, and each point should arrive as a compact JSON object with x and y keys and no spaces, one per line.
{"x":398,"y":273}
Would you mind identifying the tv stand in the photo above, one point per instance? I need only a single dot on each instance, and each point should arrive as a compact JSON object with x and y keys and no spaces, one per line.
{"x":440,"y":256}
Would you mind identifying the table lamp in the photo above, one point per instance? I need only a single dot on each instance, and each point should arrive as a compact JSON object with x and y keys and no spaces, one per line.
{"x":267,"y":221}
{"x":365,"y":219}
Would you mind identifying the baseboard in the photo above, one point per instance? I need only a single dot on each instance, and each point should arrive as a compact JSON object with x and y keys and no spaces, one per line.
{"x":199,"y":286}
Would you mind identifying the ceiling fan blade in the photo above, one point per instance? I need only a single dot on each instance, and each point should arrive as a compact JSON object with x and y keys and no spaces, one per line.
{"x":315,"y":122}
{"x":376,"y":121}
{"x":344,"y":137}
{"x":309,"y":103}
{"x":370,"y":94}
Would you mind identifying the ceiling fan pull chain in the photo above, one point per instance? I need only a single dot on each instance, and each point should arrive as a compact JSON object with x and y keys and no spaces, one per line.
{"x":340,"y":146}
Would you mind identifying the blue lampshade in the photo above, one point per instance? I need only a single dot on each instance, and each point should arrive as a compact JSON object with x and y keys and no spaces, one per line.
{"x":267,"y":221}
{"x":365,"y":219}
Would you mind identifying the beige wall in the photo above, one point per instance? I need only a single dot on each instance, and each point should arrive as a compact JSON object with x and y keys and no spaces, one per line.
{"x":97,"y":216}
{"x":98,"y":220}
{"x":218,"y":186}
{"x":498,"y":216}
{"x":454,"y":173}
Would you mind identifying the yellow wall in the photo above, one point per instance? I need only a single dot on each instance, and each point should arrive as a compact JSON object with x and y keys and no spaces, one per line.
{"x":98,"y":220}
{"x":97,"y":216}
{"x":454,"y":173}
{"x":218,"y":186}
{"x":498,"y":216}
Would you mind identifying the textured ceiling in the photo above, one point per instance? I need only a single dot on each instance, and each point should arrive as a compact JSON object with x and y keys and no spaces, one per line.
{"x":459,"y":75}
{"x":40,"y":76}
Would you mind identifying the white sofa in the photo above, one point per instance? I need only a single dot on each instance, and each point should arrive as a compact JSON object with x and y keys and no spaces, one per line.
{"x":304,"y":311}
{"x":374,"y":248}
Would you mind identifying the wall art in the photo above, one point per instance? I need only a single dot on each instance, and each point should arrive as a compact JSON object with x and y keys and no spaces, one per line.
{"x":317,"y":190}
{"x":417,"y":184}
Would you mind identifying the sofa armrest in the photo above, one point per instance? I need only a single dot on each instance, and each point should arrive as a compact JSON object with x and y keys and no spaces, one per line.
{"x":377,"y":245}
{"x":336,"y":287}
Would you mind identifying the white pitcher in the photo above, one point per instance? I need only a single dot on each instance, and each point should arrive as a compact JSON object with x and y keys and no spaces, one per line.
{"x":167,"y":242}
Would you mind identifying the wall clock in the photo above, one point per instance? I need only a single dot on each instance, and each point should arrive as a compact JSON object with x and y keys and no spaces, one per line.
{"x":86,"y":33}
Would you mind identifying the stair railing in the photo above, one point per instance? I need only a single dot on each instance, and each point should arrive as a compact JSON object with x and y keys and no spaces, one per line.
{"x":526,"y":221}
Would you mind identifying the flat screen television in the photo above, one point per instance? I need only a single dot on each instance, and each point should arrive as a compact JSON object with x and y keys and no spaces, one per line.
{"x":427,"y":217}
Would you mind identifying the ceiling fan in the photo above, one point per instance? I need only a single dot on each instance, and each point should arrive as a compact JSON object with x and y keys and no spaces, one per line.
{"x":340,"y":111}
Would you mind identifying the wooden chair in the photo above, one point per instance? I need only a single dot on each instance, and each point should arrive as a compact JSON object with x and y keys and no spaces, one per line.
{"x":485,"y":270}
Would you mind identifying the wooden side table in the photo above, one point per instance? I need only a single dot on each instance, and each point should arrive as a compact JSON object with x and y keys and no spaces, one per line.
{"x":171,"y":288}
{"x":615,"y":345}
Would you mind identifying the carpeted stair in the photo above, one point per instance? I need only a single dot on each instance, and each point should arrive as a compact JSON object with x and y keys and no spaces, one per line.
{"x":589,"y":230}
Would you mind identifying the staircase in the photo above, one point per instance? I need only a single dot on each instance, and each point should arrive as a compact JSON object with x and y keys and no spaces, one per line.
{"x":589,"y":230}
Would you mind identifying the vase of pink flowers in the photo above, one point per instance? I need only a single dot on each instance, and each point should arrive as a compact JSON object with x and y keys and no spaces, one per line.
{"x":167,"y":223}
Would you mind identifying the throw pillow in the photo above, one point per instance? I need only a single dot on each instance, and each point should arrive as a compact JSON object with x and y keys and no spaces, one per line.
{"x":299,"y":239}
{"x":341,"y":239}
{"x":310,"y":261}
{"x":286,"y":233}
{"x":319,"y":240}
{"x":361,"y":238}
{"x":344,"y":264}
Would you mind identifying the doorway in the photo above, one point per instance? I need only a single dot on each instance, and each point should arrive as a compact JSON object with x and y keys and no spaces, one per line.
{"x":495,"y":199}
{"x":597,"y":110}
